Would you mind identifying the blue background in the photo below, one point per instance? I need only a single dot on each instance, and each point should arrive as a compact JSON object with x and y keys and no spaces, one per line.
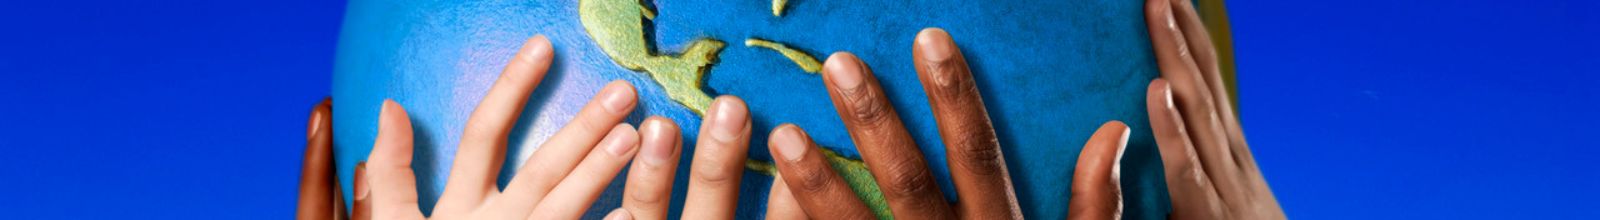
{"x":1355,"y":109}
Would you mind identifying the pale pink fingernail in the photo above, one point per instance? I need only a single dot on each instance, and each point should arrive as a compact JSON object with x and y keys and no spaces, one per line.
{"x":788,"y":140}
{"x":844,"y":70}
{"x":728,"y":116}
{"x":617,"y":97}
{"x":620,"y":141}
{"x":660,"y":140}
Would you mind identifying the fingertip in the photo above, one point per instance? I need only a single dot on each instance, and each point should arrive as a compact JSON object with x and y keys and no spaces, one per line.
{"x":1114,"y":126}
{"x":1155,"y":7}
{"x":1114,"y":131}
{"x":392,"y":109}
{"x":319,"y":117}
{"x":621,"y":141}
{"x":661,"y":140}
{"x":730,"y":119}
{"x":935,"y":45}
{"x":392,"y":119}
{"x":535,"y":49}
{"x":789,"y":142}
{"x":618,"y":97}
{"x":843,"y":70}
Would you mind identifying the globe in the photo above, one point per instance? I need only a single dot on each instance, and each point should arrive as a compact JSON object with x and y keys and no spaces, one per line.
{"x":1049,"y":71}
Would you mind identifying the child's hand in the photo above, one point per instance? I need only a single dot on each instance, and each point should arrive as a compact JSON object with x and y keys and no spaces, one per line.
{"x":1210,"y":171}
{"x":565,"y":175}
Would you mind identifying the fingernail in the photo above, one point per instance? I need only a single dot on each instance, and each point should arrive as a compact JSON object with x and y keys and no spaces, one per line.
{"x":535,"y":48}
{"x":620,"y":141}
{"x":361,"y":187}
{"x":617,"y":97}
{"x":844,"y":70}
{"x":317,"y":116}
{"x":728,"y":116}
{"x":1116,"y":162}
{"x":619,"y":214}
{"x":936,"y":45}
{"x":660,"y":140}
{"x":787,"y":139}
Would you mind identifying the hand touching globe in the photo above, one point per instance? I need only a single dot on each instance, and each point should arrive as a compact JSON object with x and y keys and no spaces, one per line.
{"x":1080,"y":79}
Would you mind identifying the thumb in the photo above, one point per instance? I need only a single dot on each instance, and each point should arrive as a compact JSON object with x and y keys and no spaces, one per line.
{"x":1096,"y":193}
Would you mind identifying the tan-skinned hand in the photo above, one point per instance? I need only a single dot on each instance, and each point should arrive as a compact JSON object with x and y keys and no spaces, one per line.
{"x":564,"y":176}
{"x":1210,"y":171}
{"x":555,"y":184}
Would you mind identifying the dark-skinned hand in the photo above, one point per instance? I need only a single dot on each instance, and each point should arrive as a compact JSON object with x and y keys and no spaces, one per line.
{"x":977,"y":165}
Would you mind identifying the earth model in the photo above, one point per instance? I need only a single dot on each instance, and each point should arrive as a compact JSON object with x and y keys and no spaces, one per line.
{"x":1050,"y":72}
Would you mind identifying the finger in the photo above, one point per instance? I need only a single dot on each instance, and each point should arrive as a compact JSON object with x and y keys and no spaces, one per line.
{"x":576,"y":192}
{"x":619,"y":214}
{"x":316,"y":172}
{"x":339,"y":212}
{"x":822,"y":193}
{"x":394,"y":186}
{"x":1193,"y":100}
{"x":781,"y":204}
{"x":362,"y":208}
{"x":977,"y":166}
{"x":483,"y":144}
{"x":1096,"y":193}
{"x":649,"y":186}
{"x":887,"y":148}
{"x":554,"y":159}
{"x":573,"y":194}
{"x":718,"y":161}
{"x":1206,"y":58}
{"x":1200,"y":47}
{"x":1192,"y":194}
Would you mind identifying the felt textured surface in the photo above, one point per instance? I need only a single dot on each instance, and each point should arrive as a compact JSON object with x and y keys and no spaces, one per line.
{"x":1050,"y":73}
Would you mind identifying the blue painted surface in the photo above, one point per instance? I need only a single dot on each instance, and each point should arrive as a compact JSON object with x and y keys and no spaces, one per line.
{"x":1360,"y":109}
{"x":1051,"y":72}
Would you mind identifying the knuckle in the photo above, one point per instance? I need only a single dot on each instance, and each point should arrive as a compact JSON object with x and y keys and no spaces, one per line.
{"x":812,"y":180}
{"x":1187,"y":173}
{"x":953,"y":78}
{"x":644,"y":198}
{"x":906,"y":178}
{"x":713,"y":174}
{"x":868,"y":106}
{"x":979,"y":153}
{"x":586,"y":123}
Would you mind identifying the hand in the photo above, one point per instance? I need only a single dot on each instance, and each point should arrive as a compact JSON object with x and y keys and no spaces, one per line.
{"x":714,"y":178}
{"x":976,"y":163}
{"x":319,"y":197}
{"x":565,"y":175}
{"x":1210,"y":171}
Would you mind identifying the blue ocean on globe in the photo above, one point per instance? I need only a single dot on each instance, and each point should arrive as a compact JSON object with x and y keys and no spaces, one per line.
{"x":1050,"y":73}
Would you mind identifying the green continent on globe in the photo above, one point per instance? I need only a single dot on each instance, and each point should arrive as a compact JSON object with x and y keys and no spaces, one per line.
{"x":805,"y":61}
{"x":616,"y":26}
